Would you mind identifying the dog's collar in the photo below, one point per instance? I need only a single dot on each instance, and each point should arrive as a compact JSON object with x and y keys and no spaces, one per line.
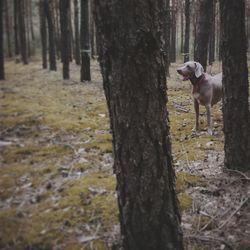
{"x":198,"y":80}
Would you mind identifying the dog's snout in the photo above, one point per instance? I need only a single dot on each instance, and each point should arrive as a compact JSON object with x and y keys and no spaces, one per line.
{"x":178,"y":70}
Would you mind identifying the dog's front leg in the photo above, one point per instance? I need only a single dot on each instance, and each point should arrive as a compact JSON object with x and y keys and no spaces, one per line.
{"x":197,"y":114}
{"x":209,"y":119}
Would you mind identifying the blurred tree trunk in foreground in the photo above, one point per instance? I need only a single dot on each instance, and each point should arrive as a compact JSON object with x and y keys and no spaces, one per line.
{"x":235,"y":85}
{"x":132,"y":64}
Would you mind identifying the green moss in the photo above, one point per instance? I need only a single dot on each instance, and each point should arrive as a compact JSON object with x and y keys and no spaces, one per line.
{"x":102,"y":142}
{"x":185,"y":201}
{"x":204,"y":221}
{"x":102,"y":205}
{"x":185,"y":180}
{"x":35,"y":152}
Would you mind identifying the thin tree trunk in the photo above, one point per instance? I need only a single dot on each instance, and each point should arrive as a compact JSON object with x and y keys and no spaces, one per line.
{"x":43,"y":32}
{"x":16,"y":27}
{"x":130,"y":49}
{"x":65,"y":38}
{"x":26,"y":11}
{"x":187,"y":30}
{"x":2,"y":76}
{"x":85,"y":42}
{"x":31,"y":21}
{"x":8,"y":28}
{"x":211,"y":55}
{"x":182,"y":27}
{"x":51,"y":31}
{"x":173,"y":32}
{"x":166,"y":32}
{"x":22,"y":31}
{"x":57,"y":27}
{"x":70,"y":37}
{"x":77,"y":35}
{"x":92,"y":31}
{"x":201,"y":49}
{"x":236,"y":114}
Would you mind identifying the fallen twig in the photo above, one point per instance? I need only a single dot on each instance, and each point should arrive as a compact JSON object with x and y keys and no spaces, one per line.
{"x":208,"y":239}
{"x":239,"y":172}
{"x":230,"y":217}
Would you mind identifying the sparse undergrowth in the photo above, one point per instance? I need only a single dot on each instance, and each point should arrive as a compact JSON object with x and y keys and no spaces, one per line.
{"x":57,"y":188}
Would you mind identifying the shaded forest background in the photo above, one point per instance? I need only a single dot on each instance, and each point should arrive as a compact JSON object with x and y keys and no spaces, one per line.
{"x":32,"y":27}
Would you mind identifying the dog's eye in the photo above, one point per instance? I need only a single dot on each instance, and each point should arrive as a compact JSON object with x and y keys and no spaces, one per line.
{"x":188,"y":66}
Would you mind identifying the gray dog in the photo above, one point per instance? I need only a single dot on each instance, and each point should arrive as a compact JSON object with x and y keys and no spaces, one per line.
{"x":207,"y":89}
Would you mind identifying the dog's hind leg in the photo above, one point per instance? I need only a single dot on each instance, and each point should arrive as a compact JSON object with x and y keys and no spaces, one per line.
{"x":197,"y":114}
{"x":209,"y":119}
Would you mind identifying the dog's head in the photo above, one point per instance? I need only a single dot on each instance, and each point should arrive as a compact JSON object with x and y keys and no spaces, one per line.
{"x":190,"y":69}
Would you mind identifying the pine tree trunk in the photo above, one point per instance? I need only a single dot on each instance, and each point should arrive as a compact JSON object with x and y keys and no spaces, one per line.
{"x":31,"y":22}
{"x":236,"y":113}
{"x":57,"y":27}
{"x":65,"y":38}
{"x":187,"y":30}
{"x":85,"y":42}
{"x":211,"y":55}
{"x":8,"y":28}
{"x":51,"y":31}
{"x":43,"y":32}
{"x":130,"y":49}
{"x":182,"y":28}
{"x":70,"y":37}
{"x":167,"y":24}
{"x":1,"y":42}
{"x":201,"y":49}
{"x":92,"y":31}
{"x":22,"y":31}
{"x":173,"y":32}
{"x":16,"y":27}
{"x":27,"y":24}
{"x":77,"y":35}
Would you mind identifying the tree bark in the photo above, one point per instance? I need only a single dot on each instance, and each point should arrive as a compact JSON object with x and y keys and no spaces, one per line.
{"x":211,"y":54}
{"x":130,"y":49}
{"x":8,"y":28}
{"x":16,"y":27}
{"x":57,"y":27}
{"x":187,"y":30}
{"x":85,"y":42}
{"x":43,"y":32}
{"x":235,"y":85}
{"x":27,"y":24}
{"x":65,"y":37}
{"x":182,"y":27}
{"x":2,"y":75}
{"x":92,"y":31}
{"x":22,"y":31}
{"x":51,"y":32}
{"x":173,"y":32}
{"x":166,"y":32}
{"x":201,"y":48}
{"x":77,"y":35}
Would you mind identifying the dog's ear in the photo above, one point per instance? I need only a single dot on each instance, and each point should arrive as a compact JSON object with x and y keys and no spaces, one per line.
{"x":198,"y":69}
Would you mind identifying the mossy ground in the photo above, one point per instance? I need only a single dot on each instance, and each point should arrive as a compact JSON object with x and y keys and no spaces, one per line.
{"x":56,"y":182}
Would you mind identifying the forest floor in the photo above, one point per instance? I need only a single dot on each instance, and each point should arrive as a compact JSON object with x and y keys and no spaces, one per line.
{"x":57,"y":188}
